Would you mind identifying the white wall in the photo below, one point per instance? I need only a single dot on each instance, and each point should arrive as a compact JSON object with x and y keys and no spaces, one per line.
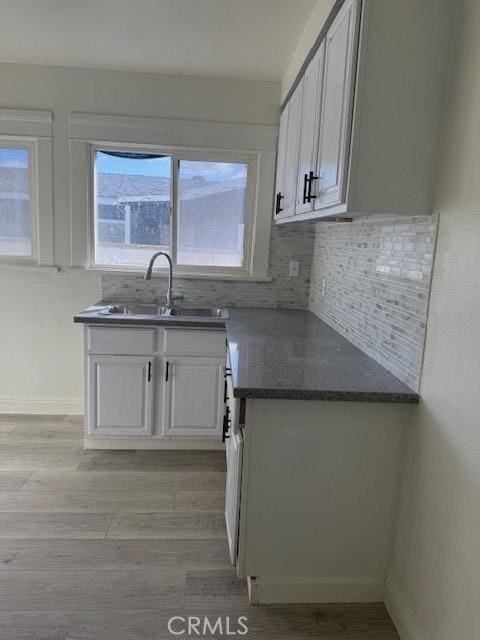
{"x":41,"y":362}
{"x":434,"y":585}
{"x":312,"y":28}
{"x":41,"y":365}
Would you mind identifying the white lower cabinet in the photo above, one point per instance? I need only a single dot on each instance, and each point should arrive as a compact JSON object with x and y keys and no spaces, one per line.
{"x":194,"y":403}
{"x":120,"y":395}
{"x":174,"y":389}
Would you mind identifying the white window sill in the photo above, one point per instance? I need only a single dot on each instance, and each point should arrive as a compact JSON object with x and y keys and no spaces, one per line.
{"x":182,"y":275}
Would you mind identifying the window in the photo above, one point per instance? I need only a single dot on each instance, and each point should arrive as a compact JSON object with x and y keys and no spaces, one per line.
{"x":211,"y":213}
{"x":16,"y":200}
{"x":132,"y":207}
{"x":195,"y":206}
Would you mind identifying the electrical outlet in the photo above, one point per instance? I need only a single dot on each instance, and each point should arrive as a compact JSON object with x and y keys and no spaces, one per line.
{"x":324,"y":287}
{"x":294,"y":268}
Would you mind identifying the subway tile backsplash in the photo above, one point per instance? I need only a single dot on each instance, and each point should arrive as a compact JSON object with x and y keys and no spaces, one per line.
{"x":377,"y":275}
{"x":288,"y":242}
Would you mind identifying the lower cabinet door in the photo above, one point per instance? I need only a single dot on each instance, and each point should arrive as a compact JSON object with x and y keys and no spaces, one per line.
{"x":120,"y":395}
{"x":234,"y":451}
{"x":193,"y":396}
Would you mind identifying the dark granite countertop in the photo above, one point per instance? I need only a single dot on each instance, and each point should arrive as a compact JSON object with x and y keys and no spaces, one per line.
{"x":285,"y":354}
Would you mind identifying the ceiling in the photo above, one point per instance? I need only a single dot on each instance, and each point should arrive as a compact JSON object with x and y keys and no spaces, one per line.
{"x":251,"y":39}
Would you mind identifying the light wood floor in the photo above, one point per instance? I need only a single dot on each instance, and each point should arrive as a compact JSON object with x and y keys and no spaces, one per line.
{"x":108,"y":545}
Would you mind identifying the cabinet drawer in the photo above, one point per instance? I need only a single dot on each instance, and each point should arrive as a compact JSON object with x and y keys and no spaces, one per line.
{"x":196,"y":342}
{"x":121,"y":341}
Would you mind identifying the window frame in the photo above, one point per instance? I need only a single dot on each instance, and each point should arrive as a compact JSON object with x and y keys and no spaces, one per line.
{"x":30,"y":144}
{"x":178,"y":154}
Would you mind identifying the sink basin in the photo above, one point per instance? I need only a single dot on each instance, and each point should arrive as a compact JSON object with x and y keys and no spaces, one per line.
{"x":136,"y":310}
{"x":199,"y":313}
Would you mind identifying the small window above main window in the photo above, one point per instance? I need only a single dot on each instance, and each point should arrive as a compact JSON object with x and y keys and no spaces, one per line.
{"x":16,"y":201}
{"x":193,"y":205}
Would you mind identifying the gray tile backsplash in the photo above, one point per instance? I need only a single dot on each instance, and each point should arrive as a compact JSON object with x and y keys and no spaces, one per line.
{"x":288,"y":242}
{"x":377,"y":272}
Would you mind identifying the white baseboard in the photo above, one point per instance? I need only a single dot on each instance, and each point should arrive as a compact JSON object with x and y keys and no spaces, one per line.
{"x":38,"y":406}
{"x":280,"y":591}
{"x":401,"y":613}
{"x":150,"y":442}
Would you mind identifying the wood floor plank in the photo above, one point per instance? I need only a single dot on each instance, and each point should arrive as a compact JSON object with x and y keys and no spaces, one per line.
{"x":40,"y":455}
{"x":13,"y":480}
{"x":100,"y":460}
{"x":113,"y":590}
{"x":5,"y":429}
{"x":200,"y":481}
{"x":101,"y":482}
{"x":54,"y":525}
{"x":297,"y":622}
{"x":194,"y":502}
{"x":61,"y":430}
{"x":111,"y":555}
{"x":179,"y":526}
{"x":79,"y":421}
{"x":92,"y":502}
{"x":211,"y":588}
{"x":16,"y":419}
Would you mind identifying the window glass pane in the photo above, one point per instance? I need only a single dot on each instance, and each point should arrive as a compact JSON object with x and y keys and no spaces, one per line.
{"x":15,"y":216}
{"x":211,"y":218}
{"x":132,"y":208}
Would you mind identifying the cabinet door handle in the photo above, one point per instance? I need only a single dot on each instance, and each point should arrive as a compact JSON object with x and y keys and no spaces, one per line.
{"x":306,"y":188}
{"x":226,"y":425}
{"x":149,"y":374}
{"x":311,"y":178}
{"x":166,"y":370}
{"x":278,"y":202}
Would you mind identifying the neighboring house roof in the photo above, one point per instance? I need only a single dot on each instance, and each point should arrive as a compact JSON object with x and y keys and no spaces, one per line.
{"x":111,"y":185}
{"x":126,"y":187}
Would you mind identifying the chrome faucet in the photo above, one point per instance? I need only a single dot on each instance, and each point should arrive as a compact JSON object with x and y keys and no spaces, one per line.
{"x":148,"y":273}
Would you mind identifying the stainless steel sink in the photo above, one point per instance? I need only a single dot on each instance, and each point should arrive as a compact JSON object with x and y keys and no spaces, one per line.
{"x":199,"y":313}
{"x":135,"y":310}
{"x":138,"y":309}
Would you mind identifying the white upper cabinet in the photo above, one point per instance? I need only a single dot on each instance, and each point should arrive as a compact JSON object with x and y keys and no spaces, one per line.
{"x":281,"y":156}
{"x":312,"y":86}
{"x":331,"y":165}
{"x":359,"y":132}
{"x":291,"y":153}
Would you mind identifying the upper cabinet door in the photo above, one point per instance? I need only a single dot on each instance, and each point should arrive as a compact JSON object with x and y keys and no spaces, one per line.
{"x":311,"y":104}
{"x":281,"y":155}
{"x":337,"y":105}
{"x":291,"y":152}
